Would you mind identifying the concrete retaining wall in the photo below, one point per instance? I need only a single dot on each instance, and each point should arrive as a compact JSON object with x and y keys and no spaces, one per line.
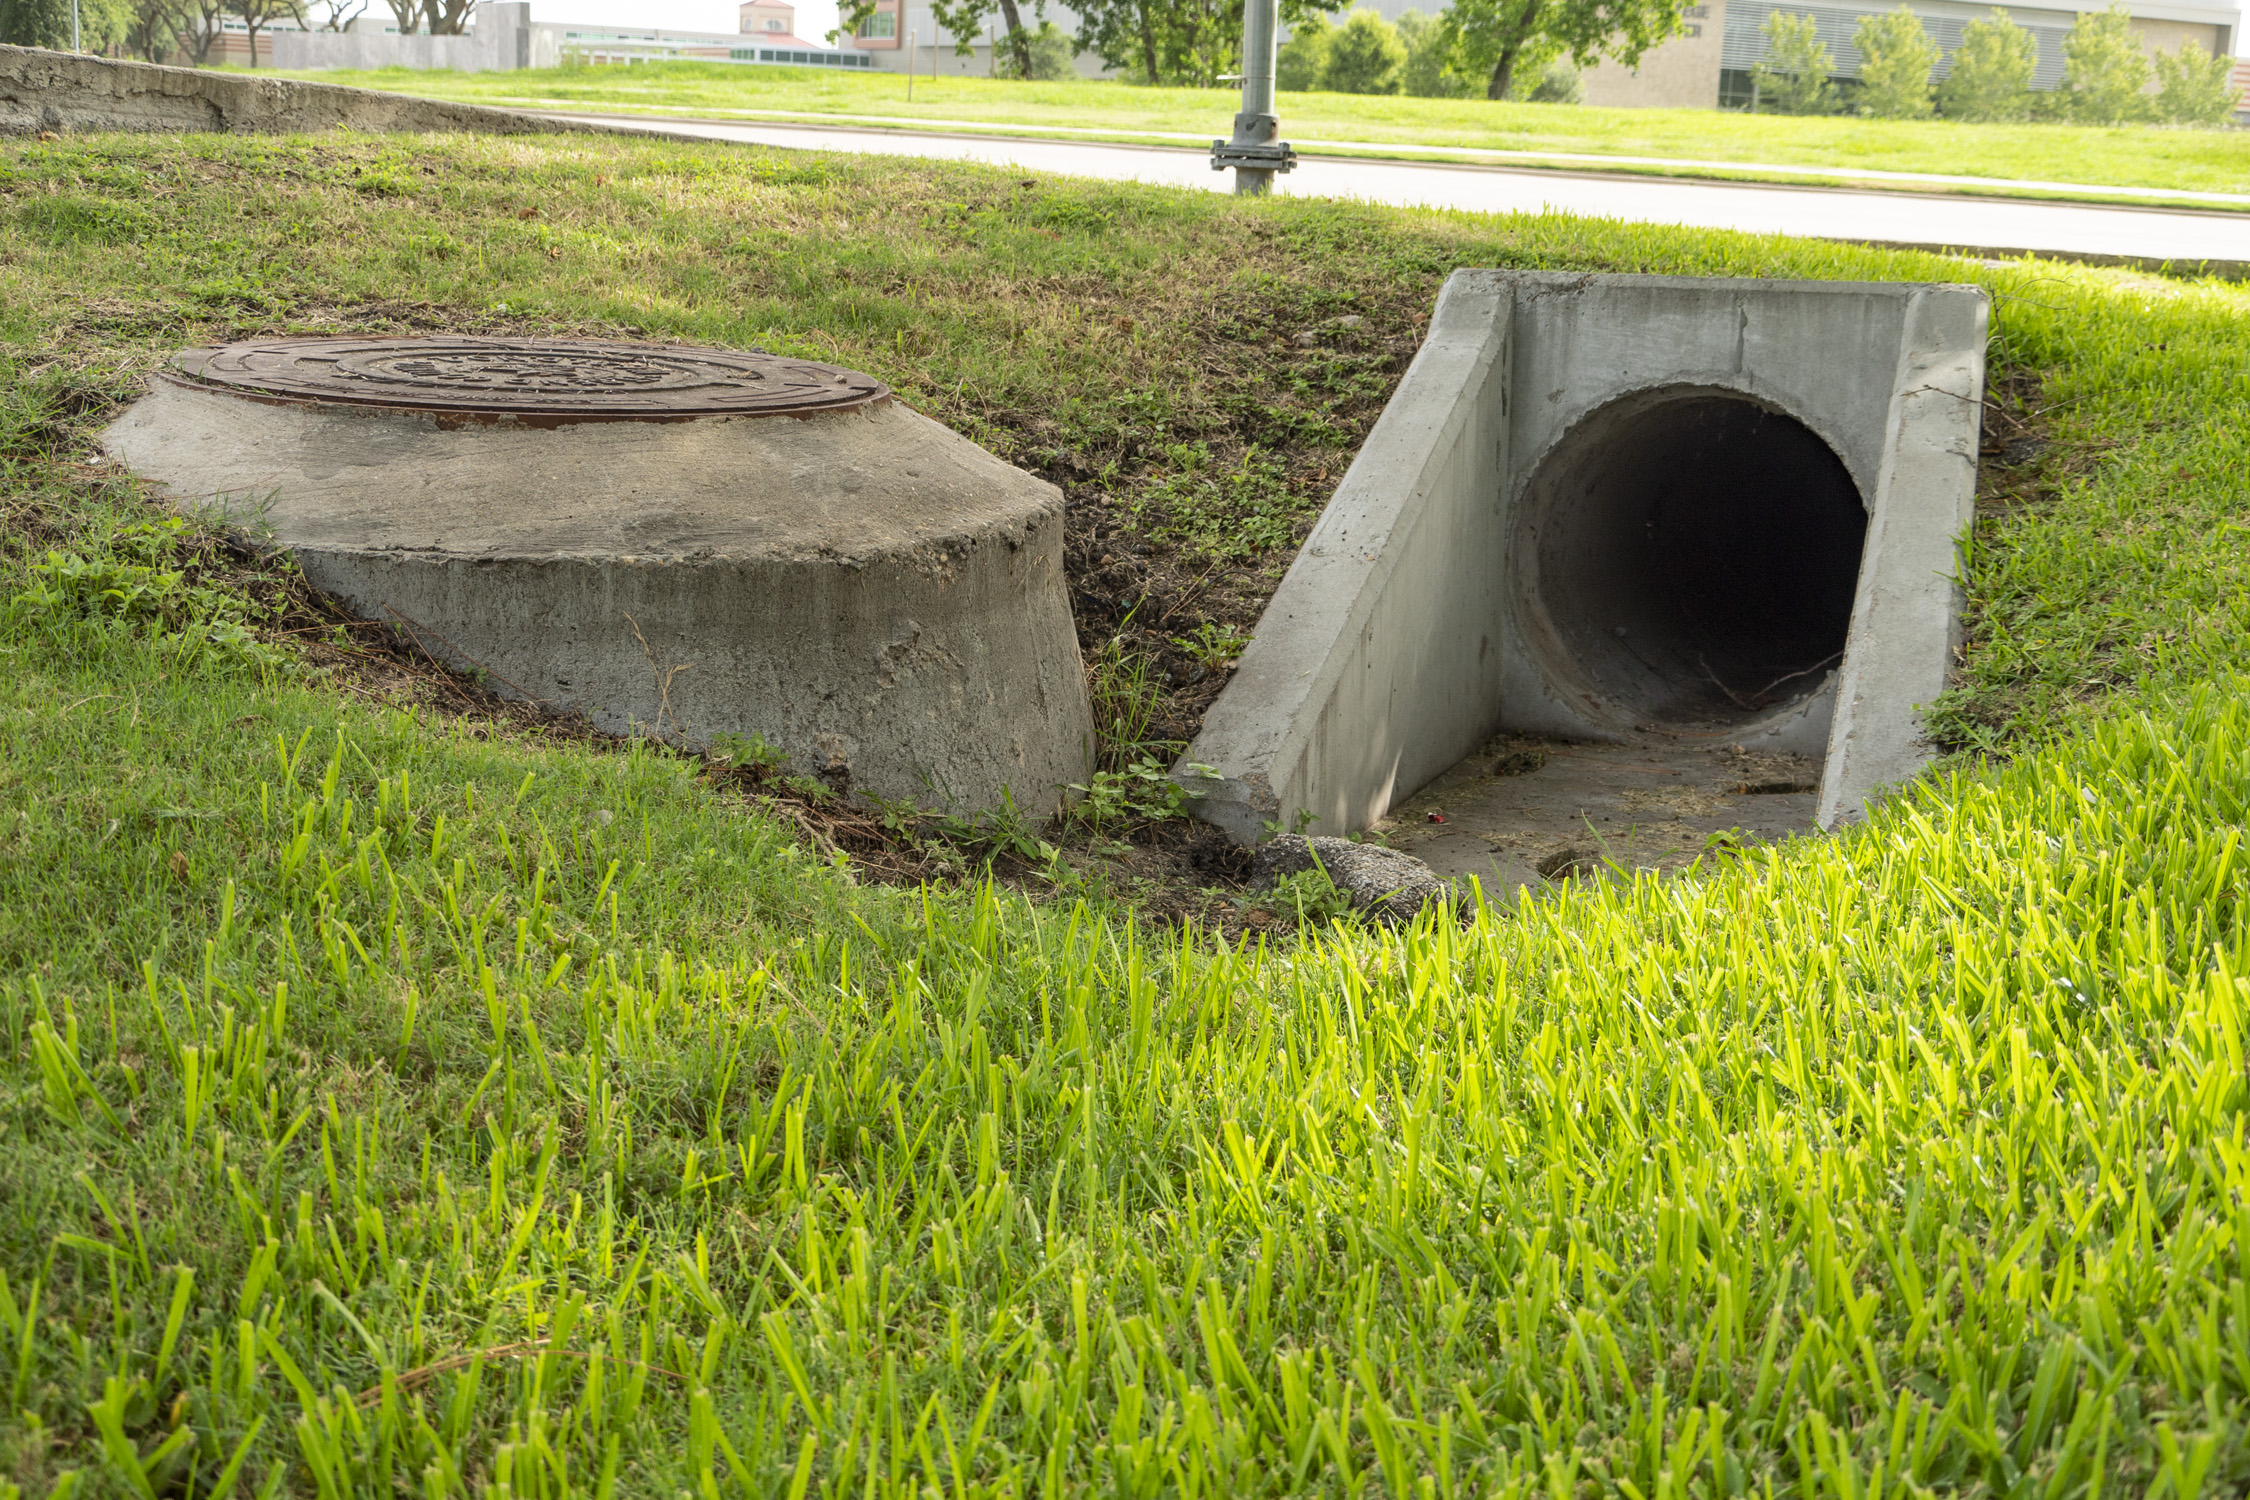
{"x":67,"y":91}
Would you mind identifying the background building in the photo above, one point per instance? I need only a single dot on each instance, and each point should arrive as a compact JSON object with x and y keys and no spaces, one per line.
{"x":1709,"y":63}
{"x":898,"y":25}
{"x":1726,"y":38}
{"x":503,"y":36}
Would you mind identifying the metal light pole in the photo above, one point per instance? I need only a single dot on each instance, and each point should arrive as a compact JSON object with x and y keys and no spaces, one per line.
{"x":74,"y":27}
{"x":1254,"y":152}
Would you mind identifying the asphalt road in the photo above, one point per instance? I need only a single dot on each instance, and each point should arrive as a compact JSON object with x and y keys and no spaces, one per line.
{"x":1992,"y":226}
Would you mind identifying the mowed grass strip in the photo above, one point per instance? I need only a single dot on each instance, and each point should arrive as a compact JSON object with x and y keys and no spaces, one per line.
{"x":396,"y":1103}
{"x":2114,"y":156}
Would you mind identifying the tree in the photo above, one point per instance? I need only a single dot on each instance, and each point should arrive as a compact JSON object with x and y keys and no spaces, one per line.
{"x":47,"y":23}
{"x":1195,"y":43}
{"x":851,"y":15}
{"x":1123,"y":34}
{"x":1545,"y":78}
{"x":1793,"y":75}
{"x":1052,"y":56}
{"x":2195,"y":88}
{"x":257,"y":15}
{"x":2104,"y":68}
{"x":1429,"y":72}
{"x":196,"y":28}
{"x":443,"y":17}
{"x":1491,"y":36}
{"x":1991,"y":74}
{"x":342,"y":14}
{"x":1302,"y":62}
{"x":965,"y":19}
{"x":1895,"y":59}
{"x":148,"y":29}
{"x":1366,"y":56}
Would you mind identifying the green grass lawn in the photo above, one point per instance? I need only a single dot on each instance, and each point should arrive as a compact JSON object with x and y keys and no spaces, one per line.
{"x":397,"y":1101}
{"x":2194,"y":160}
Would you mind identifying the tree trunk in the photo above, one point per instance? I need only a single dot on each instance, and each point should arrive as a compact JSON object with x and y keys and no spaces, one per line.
{"x":253,"y":28}
{"x":1504,"y":70}
{"x":202,"y":25}
{"x":1018,"y":41}
{"x":1148,"y":44}
{"x":1503,"y":73}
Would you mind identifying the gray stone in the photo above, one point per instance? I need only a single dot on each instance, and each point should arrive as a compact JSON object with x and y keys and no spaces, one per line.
{"x":1383,"y":883}
{"x":1629,"y":509}
{"x":874,"y":594}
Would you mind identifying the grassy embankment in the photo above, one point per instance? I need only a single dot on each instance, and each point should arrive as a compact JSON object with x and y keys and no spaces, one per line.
{"x":393,"y":1103}
{"x":2125,"y":156}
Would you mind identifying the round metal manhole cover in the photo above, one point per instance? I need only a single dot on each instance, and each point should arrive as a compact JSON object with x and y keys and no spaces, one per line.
{"x":559,"y":378}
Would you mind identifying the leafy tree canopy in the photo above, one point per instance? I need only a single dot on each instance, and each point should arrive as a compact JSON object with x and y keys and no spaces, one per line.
{"x":46,"y":23}
{"x":1429,"y":60}
{"x":1197,"y":43}
{"x":1366,"y":56}
{"x":1991,"y":74}
{"x":1302,"y":63}
{"x":1491,"y":37}
{"x":2105,"y":69}
{"x":1793,"y":75}
{"x":1895,"y":59}
{"x":2195,"y":88}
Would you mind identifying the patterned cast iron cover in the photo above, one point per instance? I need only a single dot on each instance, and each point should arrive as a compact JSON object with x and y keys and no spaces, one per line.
{"x":554,"y":378}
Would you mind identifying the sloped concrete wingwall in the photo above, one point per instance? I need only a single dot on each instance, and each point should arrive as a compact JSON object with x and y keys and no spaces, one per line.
{"x":1378,"y":662}
{"x":67,"y":91}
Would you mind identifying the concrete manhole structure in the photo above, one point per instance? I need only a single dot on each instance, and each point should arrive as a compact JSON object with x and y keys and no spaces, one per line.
{"x":691,"y":542}
{"x":1667,"y":514}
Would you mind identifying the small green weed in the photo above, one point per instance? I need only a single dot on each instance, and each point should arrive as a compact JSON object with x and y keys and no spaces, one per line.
{"x":1213,"y":645}
{"x":751,"y":752}
{"x":997,"y":833}
{"x":1311,"y":896}
{"x":955,"y":843}
{"x":1115,"y":802}
{"x":382,"y":182}
{"x":1126,"y":696}
{"x":125,"y":585}
{"x":1224,"y":512}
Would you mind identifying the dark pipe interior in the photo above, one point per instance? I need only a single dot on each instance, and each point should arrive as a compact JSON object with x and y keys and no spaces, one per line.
{"x":1697,"y":555}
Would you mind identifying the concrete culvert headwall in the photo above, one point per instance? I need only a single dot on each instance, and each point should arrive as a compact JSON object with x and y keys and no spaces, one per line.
{"x":1623,"y":509}
{"x":1693,"y":556}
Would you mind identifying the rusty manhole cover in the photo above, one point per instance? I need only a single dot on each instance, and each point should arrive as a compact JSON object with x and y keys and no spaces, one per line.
{"x":529,"y":377}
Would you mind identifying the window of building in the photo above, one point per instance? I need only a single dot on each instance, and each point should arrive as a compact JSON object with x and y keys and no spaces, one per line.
{"x":882,"y":24}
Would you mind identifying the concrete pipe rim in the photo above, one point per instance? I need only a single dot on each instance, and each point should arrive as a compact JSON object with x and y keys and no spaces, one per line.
{"x":1686,"y":559}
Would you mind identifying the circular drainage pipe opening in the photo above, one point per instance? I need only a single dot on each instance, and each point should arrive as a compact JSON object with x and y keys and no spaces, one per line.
{"x":1695,"y":556}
